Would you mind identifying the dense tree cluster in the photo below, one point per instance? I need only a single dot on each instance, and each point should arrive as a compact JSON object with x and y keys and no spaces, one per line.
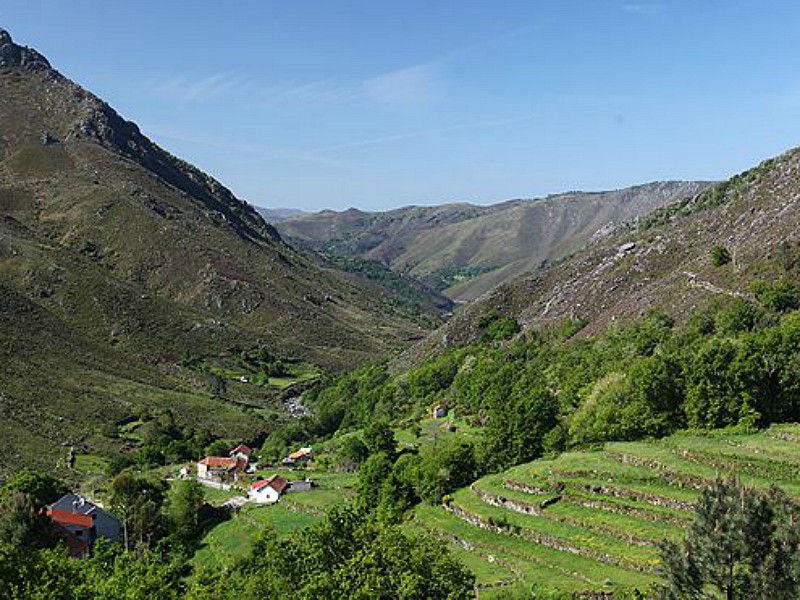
{"x":743,"y":543}
{"x":349,"y":555}
{"x":736,"y":363}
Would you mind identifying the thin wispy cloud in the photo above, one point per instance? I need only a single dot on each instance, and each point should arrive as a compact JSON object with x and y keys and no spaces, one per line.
{"x":417,"y":84}
{"x":189,"y":89}
{"x":257,"y":151}
{"x":484,"y":44}
{"x":306,"y":92}
{"x":422,"y":133}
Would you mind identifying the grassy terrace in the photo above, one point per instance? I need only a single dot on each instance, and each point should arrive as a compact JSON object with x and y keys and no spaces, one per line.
{"x":591,"y":521}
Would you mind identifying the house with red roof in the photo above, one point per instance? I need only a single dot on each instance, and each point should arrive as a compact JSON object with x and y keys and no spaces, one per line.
{"x":269,"y":490}
{"x":221,"y":469}
{"x":80,"y":522}
{"x":75,"y":530}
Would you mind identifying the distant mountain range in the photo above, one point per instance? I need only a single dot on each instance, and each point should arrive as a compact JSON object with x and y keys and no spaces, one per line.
{"x":275,"y":215}
{"x":464,"y":250}
{"x":664,"y":261}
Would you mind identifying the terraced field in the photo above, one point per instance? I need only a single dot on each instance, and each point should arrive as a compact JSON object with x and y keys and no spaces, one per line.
{"x":592,"y":521}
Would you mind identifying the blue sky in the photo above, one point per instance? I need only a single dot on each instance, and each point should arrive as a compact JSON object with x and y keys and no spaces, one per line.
{"x":377,"y":104}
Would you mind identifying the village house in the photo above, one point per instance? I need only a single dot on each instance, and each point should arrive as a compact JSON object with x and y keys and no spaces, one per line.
{"x":438,"y":411}
{"x":81,"y":522}
{"x":301,"y":456}
{"x":221,"y":469}
{"x":269,"y":490}
{"x":242,"y":451}
{"x":75,"y":530}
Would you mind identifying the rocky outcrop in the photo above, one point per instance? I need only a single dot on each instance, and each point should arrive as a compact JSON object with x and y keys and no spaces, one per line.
{"x":98,"y":122}
{"x":12,"y":55}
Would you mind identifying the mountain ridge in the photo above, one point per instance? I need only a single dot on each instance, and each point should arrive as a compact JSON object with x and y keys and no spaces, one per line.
{"x":464,"y":249}
{"x":661,"y":262}
{"x":121,"y":265}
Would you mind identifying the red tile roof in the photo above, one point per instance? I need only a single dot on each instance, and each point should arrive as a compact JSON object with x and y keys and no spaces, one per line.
{"x":276,"y":482}
{"x":220,"y":461}
{"x":65,"y":517}
{"x":242,"y":449}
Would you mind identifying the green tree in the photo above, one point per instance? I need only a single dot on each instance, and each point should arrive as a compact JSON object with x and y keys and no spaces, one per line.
{"x":515,"y":430}
{"x":218,"y":448}
{"x":779,"y":296}
{"x":138,"y":503}
{"x":444,"y":468}
{"x":185,"y":502}
{"x":376,"y":470}
{"x":379,"y":437}
{"x":42,"y":488}
{"x":22,"y":525}
{"x":351,"y":453}
{"x":743,"y":543}
{"x":738,"y":316}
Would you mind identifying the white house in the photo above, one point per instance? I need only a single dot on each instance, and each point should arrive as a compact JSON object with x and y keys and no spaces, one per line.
{"x":267,"y":491}
{"x":242,"y":451}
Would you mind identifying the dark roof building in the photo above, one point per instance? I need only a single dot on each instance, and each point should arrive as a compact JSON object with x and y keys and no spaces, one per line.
{"x":76,"y":509}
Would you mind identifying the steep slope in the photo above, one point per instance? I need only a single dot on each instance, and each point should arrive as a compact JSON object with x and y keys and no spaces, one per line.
{"x":664,"y":261}
{"x":118,"y":259}
{"x":80,"y":177}
{"x":466,"y":250}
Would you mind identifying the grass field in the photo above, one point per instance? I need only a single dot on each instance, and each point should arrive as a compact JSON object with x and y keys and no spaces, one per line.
{"x":592,"y":521}
{"x":429,"y":431}
{"x":232,"y":540}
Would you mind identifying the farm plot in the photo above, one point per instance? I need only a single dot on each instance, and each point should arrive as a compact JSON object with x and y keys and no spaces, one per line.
{"x":592,"y":521}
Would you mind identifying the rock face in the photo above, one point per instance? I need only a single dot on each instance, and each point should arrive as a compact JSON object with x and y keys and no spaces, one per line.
{"x":12,"y":55}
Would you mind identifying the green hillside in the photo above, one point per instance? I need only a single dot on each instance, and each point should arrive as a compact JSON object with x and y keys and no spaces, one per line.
{"x":130,"y":281}
{"x":591,"y":521}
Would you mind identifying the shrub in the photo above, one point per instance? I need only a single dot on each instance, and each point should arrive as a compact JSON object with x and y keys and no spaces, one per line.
{"x":720,"y":256}
{"x":780,"y":296}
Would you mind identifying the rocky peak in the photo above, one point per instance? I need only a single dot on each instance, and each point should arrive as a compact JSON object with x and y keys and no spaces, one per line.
{"x":12,"y":55}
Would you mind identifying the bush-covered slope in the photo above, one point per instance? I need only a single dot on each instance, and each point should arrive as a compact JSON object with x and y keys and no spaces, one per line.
{"x":668,"y":260}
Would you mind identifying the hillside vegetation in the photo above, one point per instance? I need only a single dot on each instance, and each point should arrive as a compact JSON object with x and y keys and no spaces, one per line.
{"x":668,"y":260}
{"x":465,"y":250}
{"x":126,"y":274}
